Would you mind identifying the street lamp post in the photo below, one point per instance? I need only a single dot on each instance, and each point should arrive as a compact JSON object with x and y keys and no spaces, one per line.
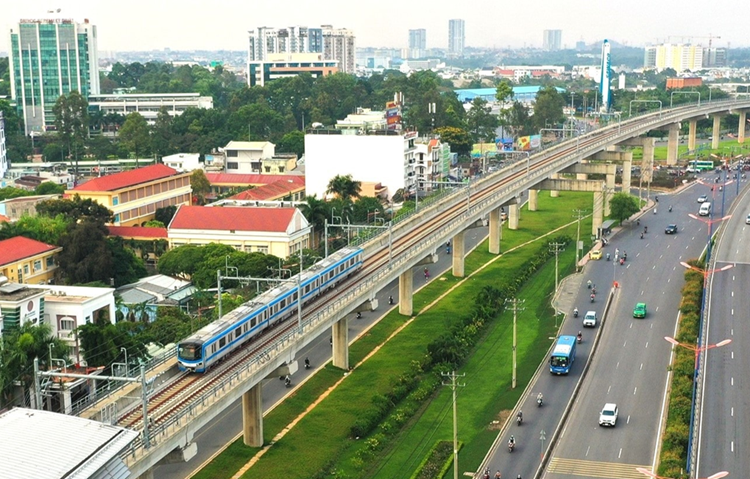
{"x":127,"y":370}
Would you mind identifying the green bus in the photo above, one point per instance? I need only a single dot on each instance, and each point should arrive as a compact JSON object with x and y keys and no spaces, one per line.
{"x":696,"y":166}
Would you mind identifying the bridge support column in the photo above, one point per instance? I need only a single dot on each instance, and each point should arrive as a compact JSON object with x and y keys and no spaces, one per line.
{"x":533,"y":199}
{"x":627,"y":166}
{"x":648,"y":152}
{"x":597,"y":217}
{"x":610,"y":181}
{"x":716,"y":132}
{"x":741,"y":128}
{"x":459,"y":252}
{"x":582,"y":176}
{"x":673,"y":141}
{"x":252,"y":417}
{"x":341,"y":342}
{"x":406,"y":290}
{"x":496,"y":231}
{"x":513,"y":216}
{"x":554,"y":193}
{"x":692,"y":129}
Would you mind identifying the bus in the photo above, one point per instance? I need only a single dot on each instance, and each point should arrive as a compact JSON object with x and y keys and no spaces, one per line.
{"x":563,"y":355}
{"x":696,"y":166}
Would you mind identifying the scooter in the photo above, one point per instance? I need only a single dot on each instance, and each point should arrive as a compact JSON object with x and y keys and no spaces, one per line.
{"x":390,"y":300}
{"x":539,"y":402}
{"x":575,"y":313}
{"x":511,"y":446}
{"x":287,"y":381}
{"x":594,"y":296}
{"x":579,"y":338}
{"x":607,"y":256}
{"x":519,"y":419}
{"x":307,"y":363}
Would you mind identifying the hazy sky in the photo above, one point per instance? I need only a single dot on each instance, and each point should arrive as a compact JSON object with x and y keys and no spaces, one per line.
{"x":223,"y":24}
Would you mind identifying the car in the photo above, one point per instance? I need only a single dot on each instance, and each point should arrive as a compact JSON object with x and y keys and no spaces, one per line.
{"x":595,"y":254}
{"x":702,"y":198}
{"x":589,"y":319}
{"x":671,"y":229}
{"x":640,"y":310}
{"x":747,"y":220}
{"x":608,"y":415}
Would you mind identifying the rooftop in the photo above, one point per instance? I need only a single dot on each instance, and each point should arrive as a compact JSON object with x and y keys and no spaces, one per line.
{"x":127,"y":178}
{"x":20,"y":247}
{"x":137,"y":232}
{"x":228,"y":218}
{"x":250,"y":179}
{"x":247,"y":145}
{"x":271,"y":191}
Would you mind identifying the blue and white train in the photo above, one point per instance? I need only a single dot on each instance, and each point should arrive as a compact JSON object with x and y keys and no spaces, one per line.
{"x":213,"y":342}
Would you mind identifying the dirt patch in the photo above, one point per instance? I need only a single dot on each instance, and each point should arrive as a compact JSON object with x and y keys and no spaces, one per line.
{"x":499,"y":420}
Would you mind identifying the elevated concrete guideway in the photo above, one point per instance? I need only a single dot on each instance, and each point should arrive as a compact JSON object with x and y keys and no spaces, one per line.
{"x":414,"y":238}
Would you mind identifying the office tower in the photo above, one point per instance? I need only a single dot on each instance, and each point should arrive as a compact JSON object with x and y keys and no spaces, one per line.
{"x":552,"y":40}
{"x":606,"y":78}
{"x":456,"y":37}
{"x":3,"y":155}
{"x":265,"y":41}
{"x":679,"y":57}
{"x":418,"y":39}
{"x":339,"y":45}
{"x":50,"y":58}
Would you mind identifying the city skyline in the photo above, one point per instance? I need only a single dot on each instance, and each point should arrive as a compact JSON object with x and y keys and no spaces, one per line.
{"x":189,"y":25}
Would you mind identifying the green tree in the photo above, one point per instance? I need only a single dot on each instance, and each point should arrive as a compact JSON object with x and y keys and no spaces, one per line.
{"x":622,"y":206}
{"x":165,"y":214}
{"x":75,"y":209}
{"x":458,"y":138}
{"x":183,"y":260}
{"x":504,"y":92}
{"x":200,"y":185}
{"x":161,"y":134}
{"x":71,"y":121}
{"x":126,"y":266}
{"x":315,"y":212}
{"x":38,"y":227}
{"x":49,"y":188}
{"x":548,"y":108}
{"x":86,"y":255}
{"x":101,"y":342}
{"x":518,"y":120}
{"x":292,"y":142}
{"x":53,"y":152}
{"x":480,"y":121}
{"x":344,"y":187}
{"x":134,"y":135}
{"x":154,"y":224}
{"x":10,"y":192}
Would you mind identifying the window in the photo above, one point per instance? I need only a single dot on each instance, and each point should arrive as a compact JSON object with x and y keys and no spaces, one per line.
{"x":37,"y":265}
{"x":222,"y":342}
{"x":67,"y":325}
{"x":115,"y":201}
{"x":232,"y":165}
{"x":262,"y":249}
{"x":26,"y":269}
{"x":232,"y":154}
{"x":267,"y":168}
{"x":281,"y":169}
{"x":237,"y":332}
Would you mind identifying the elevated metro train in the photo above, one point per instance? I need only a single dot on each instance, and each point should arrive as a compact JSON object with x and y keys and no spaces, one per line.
{"x":210,"y":344}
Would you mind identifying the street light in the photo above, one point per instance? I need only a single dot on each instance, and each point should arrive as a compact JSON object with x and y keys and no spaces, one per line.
{"x":645,"y":471}
{"x":697,"y":349}
{"x":125,"y":350}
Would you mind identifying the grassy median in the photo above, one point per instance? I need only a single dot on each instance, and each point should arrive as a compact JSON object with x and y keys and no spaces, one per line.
{"x":319,"y":443}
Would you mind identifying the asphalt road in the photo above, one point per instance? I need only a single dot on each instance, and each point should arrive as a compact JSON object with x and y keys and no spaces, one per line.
{"x":228,"y":425}
{"x":724,"y":431}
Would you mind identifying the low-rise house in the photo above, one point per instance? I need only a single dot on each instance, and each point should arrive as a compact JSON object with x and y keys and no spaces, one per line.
{"x":142,"y":298}
{"x":183,"y":162}
{"x":14,"y":208}
{"x":24,"y":260}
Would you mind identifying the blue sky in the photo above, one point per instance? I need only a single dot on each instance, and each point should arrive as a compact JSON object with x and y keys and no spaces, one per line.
{"x":223,"y":24}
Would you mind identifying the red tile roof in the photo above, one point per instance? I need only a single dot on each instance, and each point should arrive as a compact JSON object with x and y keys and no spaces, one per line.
{"x":137,"y":232}
{"x":4,"y":219}
{"x":232,"y":218}
{"x":127,"y":178}
{"x":272,"y":191}
{"x":19,"y":247}
{"x":254,"y":180}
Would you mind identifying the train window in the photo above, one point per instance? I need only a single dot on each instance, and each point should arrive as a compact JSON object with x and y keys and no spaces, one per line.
{"x":252,"y":323}
{"x":222,"y":342}
{"x":237,"y":332}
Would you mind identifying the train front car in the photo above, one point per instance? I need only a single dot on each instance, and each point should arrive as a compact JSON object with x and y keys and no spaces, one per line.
{"x":190,"y":356}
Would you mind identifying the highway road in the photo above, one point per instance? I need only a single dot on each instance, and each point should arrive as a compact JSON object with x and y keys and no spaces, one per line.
{"x":212,"y":439}
{"x":724,"y":426}
{"x":631,"y":363}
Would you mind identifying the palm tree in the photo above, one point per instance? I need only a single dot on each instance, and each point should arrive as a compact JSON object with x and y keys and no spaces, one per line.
{"x":316,"y":212}
{"x":344,"y":187}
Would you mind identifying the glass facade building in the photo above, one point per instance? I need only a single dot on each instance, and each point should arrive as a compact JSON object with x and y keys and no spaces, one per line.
{"x":50,"y":58}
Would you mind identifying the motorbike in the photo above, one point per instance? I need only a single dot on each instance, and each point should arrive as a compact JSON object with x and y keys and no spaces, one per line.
{"x":622,"y":262}
{"x":670,"y":209}
{"x":575,"y":313}
{"x":359,"y":315}
{"x":641,"y":235}
{"x":607,"y":256}
{"x":519,"y":419}
{"x":579,"y":338}
{"x":287,"y":381}
{"x":307,"y":363}
{"x":390,"y":299}
{"x":588,"y":284}
{"x":593,"y":296}
{"x":511,"y":446}
{"x":539,"y":402}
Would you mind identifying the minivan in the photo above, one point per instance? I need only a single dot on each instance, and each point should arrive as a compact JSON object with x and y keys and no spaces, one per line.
{"x":589,"y":321}
{"x":705,"y":209}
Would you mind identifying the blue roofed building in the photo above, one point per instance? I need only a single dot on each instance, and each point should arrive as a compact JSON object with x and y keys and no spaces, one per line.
{"x":524,"y":94}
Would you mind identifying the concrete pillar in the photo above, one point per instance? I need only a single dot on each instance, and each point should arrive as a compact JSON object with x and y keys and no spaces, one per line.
{"x":405,"y":292}
{"x":459,"y":253}
{"x":67,"y":402}
{"x":148,"y":474}
{"x":533,"y":199}
{"x":582,"y":176}
{"x":648,"y":150}
{"x":627,"y":165}
{"x":341,"y":342}
{"x":716,"y":132}
{"x":741,"y":128}
{"x":692,"y":129}
{"x":252,"y":416}
{"x":598,"y":210}
{"x":610,"y":191}
{"x":496,"y":228}
{"x":554,"y":193}
{"x":513,"y":216}
{"x":673,"y":142}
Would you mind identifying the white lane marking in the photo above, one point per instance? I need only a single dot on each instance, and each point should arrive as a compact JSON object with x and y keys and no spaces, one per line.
{"x":732,"y":381}
{"x":641,"y":368}
{"x":669,"y":279}
{"x":732,"y":411}
{"x":608,"y":389}
{"x":618,"y":365}
{"x":628,"y":421}
{"x":647,"y":344}
{"x":661,"y":256}
{"x":732,"y":354}
{"x":731,"y":331}
{"x":642,"y":290}
{"x":625,"y":343}
{"x":653,"y":267}
{"x":587,"y":450}
{"x":635,"y":390}
{"x":732,"y":311}
{"x":657,"y":309}
{"x":619,"y":455}
{"x":733,"y":294}
{"x":732,"y":444}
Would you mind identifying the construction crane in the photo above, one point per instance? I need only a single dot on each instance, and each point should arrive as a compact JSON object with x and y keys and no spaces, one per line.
{"x":690,"y":38}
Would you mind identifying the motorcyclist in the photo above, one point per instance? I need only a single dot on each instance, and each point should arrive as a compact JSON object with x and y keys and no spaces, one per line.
{"x":588,"y":284}
{"x":498,"y":475}
{"x":656,"y":198}
{"x":592,"y":297}
{"x":390,"y":299}
{"x":645,"y":229}
{"x":575,"y":312}
{"x":519,"y":416}
{"x":670,"y":208}
{"x":307,"y":363}
{"x":607,"y":256}
{"x":593,"y":290}
{"x":539,"y":398}
{"x":654,"y":210}
{"x":580,"y":336}
{"x":641,"y":235}
{"x":359,"y":315}
{"x":512,"y":440}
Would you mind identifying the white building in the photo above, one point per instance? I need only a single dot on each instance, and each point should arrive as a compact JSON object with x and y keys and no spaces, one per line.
{"x":183,"y":162}
{"x":149,"y":104}
{"x":378,"y":156}
{"x":4,"y":164}
{"x":339,"y":45}
{"x":456,"y":37}
{"x":247,"y":156}
{"x":552,"y":40}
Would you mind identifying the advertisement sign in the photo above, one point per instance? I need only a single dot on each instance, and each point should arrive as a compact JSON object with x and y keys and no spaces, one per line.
{"x":391,"y":104}
{"x":481,"y":149}
{"x":392,"y":112}
{"x":526,"y":143}
{"x":504,"y":144}
{"x":391,"y":120}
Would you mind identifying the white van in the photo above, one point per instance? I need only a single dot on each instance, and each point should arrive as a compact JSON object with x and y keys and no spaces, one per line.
{"x":705,"y":209}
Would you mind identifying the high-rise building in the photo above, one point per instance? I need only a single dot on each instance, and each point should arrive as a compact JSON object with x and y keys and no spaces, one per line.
{"x":334,"y":44}
{"x":418,"y":39}
{"x":4,"y":165}
{"x":456,"y":37}
{"x":339,"y":45}
{"x":552,"y":40}
{"x":50,"y":58}
{"x":264,"y":41}
{"x":679,"y":57}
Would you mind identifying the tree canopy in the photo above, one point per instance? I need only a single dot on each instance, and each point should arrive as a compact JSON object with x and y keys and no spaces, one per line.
{"x":622,"y":206}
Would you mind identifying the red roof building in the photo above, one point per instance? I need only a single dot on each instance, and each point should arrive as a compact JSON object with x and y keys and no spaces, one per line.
{"x":24,"y":260}
{"x":134,"y":196}
{"x":138,"y":232}
{"x":278,"y":231}
{"x":291,"y":189}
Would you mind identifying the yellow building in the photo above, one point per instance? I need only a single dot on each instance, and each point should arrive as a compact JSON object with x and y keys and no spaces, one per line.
{"x":134,"y":196}
{"x":24,"y":260}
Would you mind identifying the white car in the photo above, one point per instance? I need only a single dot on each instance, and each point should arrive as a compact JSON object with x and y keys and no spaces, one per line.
{"x":702,"y":198}
{"x":608,"y":416}
{"x":589,"y":320}
{"x":747,"y":220}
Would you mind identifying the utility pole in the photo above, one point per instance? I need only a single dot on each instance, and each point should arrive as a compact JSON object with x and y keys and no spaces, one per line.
{"x":579,"y":214}
{"x":515,"y":307}
{"x":454,"y":385}
{"x":557,"y":248}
